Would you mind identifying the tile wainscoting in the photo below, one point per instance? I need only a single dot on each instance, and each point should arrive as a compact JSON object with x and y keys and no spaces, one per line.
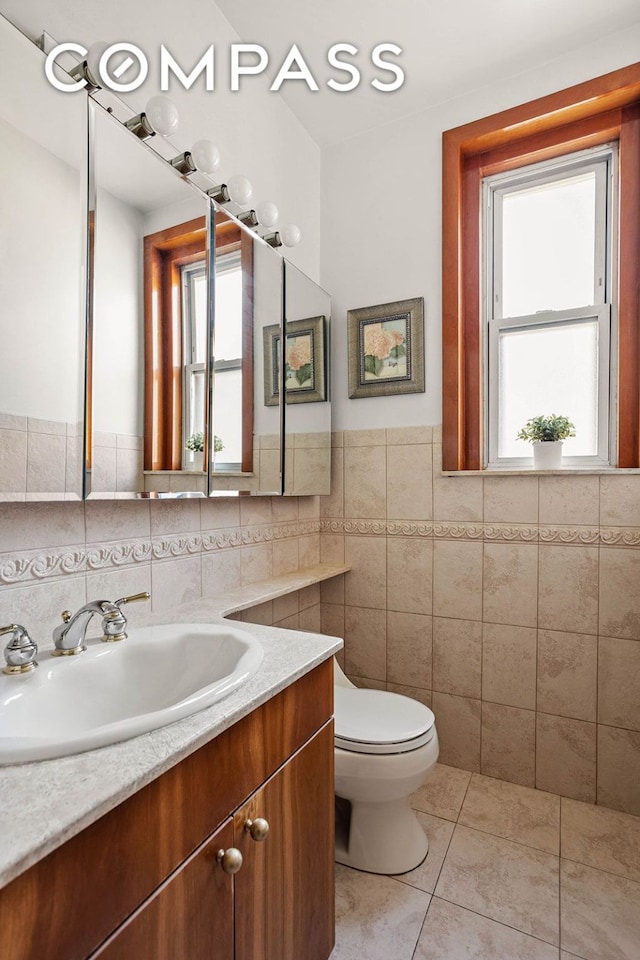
{"x":511,"y":605}
{"x":56,"y":556}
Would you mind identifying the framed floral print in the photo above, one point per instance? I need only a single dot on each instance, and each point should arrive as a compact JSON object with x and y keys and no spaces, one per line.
{"x":386,"y":349}
{"x":304,"y":360}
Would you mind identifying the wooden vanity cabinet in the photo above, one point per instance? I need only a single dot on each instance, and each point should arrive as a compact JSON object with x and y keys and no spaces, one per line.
{"x":144,"y":881}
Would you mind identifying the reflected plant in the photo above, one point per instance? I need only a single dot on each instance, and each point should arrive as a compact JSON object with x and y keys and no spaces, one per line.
{"x":196,"y":443}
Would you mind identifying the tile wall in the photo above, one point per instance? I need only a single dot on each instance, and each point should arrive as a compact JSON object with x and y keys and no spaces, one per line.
{"x":39,"y":456}
{"x":56,"y":556}
{"x":511,"y":605}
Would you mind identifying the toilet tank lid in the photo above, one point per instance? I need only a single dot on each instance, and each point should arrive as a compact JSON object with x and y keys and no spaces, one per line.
{"x":377,"y":716}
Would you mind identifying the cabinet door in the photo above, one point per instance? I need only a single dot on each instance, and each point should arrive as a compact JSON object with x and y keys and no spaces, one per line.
{"x":284,"y":907}
{"x":190,"y":917}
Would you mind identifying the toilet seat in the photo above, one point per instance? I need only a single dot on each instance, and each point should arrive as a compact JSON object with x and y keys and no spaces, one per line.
{"x":375,"y":721}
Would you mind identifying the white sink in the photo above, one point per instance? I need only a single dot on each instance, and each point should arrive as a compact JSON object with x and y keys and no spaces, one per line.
{"x":114,"y":691}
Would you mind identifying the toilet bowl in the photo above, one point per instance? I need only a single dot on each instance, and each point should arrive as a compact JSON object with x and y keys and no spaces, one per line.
{"x":385,"y":747}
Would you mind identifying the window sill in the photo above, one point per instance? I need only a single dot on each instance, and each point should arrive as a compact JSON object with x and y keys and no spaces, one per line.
{"x":523,"y":472}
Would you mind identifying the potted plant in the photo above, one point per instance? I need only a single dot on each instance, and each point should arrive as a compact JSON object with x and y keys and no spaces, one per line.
{"x":195,"y":443}
{"x":546,"y":434}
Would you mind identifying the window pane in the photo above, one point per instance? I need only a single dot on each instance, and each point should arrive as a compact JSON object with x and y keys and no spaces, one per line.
{"x":228,"y":315}
{"x":549,"y":369}
{"x":548,"y":246}
{"x":199,"y":303}
{"x":196,"y":403}
{"x":228,"y":397}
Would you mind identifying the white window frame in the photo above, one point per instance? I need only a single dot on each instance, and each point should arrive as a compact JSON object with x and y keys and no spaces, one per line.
{"x":603,"y":161}
{"x":191,"y":367}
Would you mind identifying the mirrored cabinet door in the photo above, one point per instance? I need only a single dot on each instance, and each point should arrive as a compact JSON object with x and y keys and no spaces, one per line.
{"x":246,"y":439}
{"x":42,"y":137}
{"x":149,"y":321}
{"x":307,"y":412}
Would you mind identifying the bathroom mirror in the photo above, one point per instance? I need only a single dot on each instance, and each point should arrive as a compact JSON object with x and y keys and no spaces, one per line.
{"x":149,"y":317}
{"x":42,"y":135}
{"x":246,"y":439}
{"x":307,"y":412}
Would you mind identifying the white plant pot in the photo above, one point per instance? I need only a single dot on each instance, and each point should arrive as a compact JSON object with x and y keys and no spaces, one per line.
{"x":198,"y":460}
{"x":547,"y":454}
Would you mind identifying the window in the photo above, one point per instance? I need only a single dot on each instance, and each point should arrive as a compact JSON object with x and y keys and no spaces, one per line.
{"x":548,"y":295}
{"x":176,"y":345}
{"x":553,"y":151}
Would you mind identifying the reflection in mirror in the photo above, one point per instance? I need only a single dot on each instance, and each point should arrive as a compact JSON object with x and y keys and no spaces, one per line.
{"x":42,"y":134}
{"x":246,"y":433}
{"x":307,"y":414}
{"x":147,"y":377}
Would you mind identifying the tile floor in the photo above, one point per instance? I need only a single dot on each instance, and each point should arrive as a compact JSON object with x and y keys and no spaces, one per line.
{"x":512,"y":874}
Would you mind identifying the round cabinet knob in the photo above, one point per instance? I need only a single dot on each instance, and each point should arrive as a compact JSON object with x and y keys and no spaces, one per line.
{"x":230,"y":860}
{"x":258,"y":828}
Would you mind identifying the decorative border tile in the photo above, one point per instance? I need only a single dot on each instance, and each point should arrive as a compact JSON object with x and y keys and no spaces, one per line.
{"x":492,"y":532}
{"x":22,"y":568}
{"x":34,"y":566}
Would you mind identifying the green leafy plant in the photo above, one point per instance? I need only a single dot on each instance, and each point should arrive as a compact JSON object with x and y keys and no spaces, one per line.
{"x":196,"y":443}
{"x":547,"y":429}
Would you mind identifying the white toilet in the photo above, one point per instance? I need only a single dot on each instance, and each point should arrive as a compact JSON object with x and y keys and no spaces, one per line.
{"x":385,"y":748}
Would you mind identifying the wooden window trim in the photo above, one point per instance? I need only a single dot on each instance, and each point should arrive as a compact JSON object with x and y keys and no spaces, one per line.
{"x":164,"y":253}
{"x":584,"y":115}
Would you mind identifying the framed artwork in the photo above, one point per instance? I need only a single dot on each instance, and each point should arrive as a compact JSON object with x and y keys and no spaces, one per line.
{"x":304,"y":360}
{"x":386,"y":349}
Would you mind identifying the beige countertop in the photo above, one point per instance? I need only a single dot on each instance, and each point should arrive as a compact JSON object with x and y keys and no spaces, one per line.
{"x":44,"y":803}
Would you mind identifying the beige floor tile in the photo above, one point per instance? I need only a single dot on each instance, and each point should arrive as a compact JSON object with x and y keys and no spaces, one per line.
{"x":376,"y":917}
{"x":453,"y":933}
{"x":443,"y":793}
{"x":601,"y":838}
{"x":600,"y":914}
{"x":513,"y":812}
{"x":504,"y":881}
{"x":439,"y":833}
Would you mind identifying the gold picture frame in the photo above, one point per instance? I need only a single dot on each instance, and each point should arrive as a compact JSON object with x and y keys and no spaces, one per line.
{"x":305,"y":373}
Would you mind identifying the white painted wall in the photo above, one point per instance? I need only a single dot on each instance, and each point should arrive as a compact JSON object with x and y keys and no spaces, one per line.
{"x":256,"y":132}
{"x":381,"y":219}
{"x":118,"y":342}
{"x":40,"y":252}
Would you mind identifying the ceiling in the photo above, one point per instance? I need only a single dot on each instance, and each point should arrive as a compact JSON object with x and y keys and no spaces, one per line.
{"x":448,"y":48}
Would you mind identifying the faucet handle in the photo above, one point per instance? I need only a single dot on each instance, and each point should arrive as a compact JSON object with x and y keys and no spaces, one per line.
{"x":136,"y":596}
{"x":20,"y":652}
{"x":114,"y":623}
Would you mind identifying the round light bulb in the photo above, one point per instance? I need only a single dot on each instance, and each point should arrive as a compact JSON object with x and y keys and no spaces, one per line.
{"x":94,"y":54}
{"x":267,"y":213}
{"x":240,"y":189}
{"x":290,"y":234}
{"x":205,"y":155}
{"x":163,"y":115}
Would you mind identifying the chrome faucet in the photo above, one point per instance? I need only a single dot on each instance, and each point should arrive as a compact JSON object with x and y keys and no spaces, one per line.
{"x":20,"y":652}
{"x":69,"y":636}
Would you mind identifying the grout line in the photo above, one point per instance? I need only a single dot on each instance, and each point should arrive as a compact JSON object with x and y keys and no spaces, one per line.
{"x":525,"y":933}
{"x":519,"y":843}
{"x":560,"y":880}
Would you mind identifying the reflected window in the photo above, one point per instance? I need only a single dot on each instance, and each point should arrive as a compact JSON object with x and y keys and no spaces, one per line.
{"x":232,"y":348}
{"x":227,"y":364}
{"x":177,"y":348}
